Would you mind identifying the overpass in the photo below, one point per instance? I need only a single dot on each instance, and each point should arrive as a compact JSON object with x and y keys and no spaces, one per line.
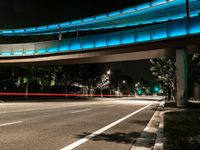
{"x":159,"y":28}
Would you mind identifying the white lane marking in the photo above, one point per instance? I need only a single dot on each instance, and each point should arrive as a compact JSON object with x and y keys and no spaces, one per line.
{"x":46,"y":108}
{"x":83,"y":140}
{"x":11,"y":123}
{"x":78,"y":111}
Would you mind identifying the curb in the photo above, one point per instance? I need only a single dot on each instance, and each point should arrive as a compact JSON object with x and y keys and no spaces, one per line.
{"x":147,"y":138}
{"x":159,"y":143}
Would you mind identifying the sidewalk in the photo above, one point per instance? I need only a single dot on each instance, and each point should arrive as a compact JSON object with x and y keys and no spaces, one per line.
{"x":182,"y":129}
{"x":179,"y":129}
{"x":174,"y":129}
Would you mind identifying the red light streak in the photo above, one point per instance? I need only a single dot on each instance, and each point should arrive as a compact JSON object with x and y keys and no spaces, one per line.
{"x":56,"y":94}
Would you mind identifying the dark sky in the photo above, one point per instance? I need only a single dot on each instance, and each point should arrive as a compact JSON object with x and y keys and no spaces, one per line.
{"x":24,"y":13}
{"x":136,"y":69}
{"x":37,"y":12}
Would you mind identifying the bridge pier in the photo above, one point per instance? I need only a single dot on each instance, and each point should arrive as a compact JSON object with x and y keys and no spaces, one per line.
{"x":181,"y":77}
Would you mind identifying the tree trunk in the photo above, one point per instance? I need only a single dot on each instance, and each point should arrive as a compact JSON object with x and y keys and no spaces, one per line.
{"x":27,"y":84}
{"x":169,"y":94}
{"x":197,"y":92}
{"x":172,"y":94}
{"x":101,"y":93}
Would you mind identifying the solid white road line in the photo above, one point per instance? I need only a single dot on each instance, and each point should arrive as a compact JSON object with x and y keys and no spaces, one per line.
{"x":78,"y":111}
{"x":11,"y":123}
{"x":83,"y":140}
{"x":46,"y":108}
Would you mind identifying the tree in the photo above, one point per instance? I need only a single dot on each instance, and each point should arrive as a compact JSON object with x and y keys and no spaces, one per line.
{"x":194,"y":74}
{"x":90,"y":74}
{"x":164,"y":71}
{"x":103,"y":83}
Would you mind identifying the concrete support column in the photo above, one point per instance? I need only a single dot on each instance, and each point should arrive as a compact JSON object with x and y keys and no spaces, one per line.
{"x":181,"y":77}
{"x":60,"y":34}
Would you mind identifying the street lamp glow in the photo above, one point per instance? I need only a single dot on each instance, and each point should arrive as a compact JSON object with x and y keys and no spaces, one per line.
{"x":108,"y":72}
{"x":124,"y":81}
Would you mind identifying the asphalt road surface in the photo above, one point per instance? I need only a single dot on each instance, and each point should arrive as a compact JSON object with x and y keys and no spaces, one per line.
{"x":107,"y":124}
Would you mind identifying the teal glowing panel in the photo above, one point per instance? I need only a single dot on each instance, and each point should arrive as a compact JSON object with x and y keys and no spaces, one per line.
{"x":52,"y":49}
{"x":103,"y":16}
{"x":53,"y":26}
{"x":113,"y":39}
{"x":29,"y":52}
{"x":177,"y":28}
{"x":41,"y":51}
{"x":6,"y":53}
{"x":63,"y":46}
{"x":129,"y":10}
{"x":64,"y":24}
{"x":142,"y":6}
{"x":19,"y":31}
{"x":194,"y":26}
{"x":30,"y":29}
{"x":74,"y":44}
{"x":115,"y":13}
{"x":158,"y":2}
{"x":88,"y":19}
{"x":127,"y":38}
{"x":159,"y":34}
{"x":18,"y":53}
{"x":76,"y":22}
{"x":143,"y":36}
{"x":88,"y":43}
{"x":7,"y":31}
{"x":42,"y":28}
{"x":100,"y":41}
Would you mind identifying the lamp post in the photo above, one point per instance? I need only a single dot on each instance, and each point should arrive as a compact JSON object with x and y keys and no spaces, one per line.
{"x":109,"y":73}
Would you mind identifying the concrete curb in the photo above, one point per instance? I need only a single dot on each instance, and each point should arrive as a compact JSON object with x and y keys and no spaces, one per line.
{"x":159,"y":143}
{"x":148,"y":136}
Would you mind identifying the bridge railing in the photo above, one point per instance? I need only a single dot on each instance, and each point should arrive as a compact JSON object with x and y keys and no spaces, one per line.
{"x":170,"y":29}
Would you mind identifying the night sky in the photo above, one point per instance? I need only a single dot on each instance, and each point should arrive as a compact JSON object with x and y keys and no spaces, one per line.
{"x":24,"y":13}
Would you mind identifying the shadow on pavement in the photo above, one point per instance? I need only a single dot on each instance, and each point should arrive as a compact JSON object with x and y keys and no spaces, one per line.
{"x":118,"y":137}
{"x":182,"y":129}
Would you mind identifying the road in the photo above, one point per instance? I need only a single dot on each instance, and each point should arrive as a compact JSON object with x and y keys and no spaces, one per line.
{"x":107,"y":124}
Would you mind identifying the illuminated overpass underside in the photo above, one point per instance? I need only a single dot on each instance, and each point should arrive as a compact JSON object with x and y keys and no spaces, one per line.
{"x":151,"y":33}
{"x":152,"y":12}
{"x":113,"y":54}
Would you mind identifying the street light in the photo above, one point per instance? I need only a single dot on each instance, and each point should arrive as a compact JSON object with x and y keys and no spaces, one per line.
{"x":108,"y":72}
{"x":124,"y":81}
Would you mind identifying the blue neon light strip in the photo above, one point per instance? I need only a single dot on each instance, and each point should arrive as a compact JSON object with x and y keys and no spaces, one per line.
{"x":128,"y":14}
{"x":171,"y":29}
{"x":5,"y":53}
{"x":29,"y":52}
